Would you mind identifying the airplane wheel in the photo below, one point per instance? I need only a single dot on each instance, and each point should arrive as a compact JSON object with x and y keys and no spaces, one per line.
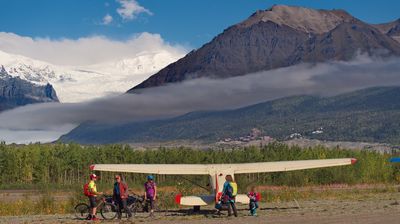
{"x":196,"y":208}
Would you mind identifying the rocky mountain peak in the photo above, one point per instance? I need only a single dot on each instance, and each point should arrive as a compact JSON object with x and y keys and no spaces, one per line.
{"x":3,"y":71}
{"x":300,"y":18}
{"x":278,"y":37}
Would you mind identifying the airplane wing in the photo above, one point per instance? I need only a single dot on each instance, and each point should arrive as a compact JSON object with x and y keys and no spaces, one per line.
{"x":281,"y":166}
{"x":183,"y":169}
{"x":204,"y":169}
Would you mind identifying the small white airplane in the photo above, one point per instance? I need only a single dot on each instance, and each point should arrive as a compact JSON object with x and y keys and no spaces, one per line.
{"x":217,"y":173}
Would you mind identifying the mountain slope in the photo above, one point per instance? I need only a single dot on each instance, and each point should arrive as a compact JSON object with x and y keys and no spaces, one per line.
{"x":365,"y":115}
{"x":279,"y":37}
{"x":16,"y":92}
{"x":391,"y":29}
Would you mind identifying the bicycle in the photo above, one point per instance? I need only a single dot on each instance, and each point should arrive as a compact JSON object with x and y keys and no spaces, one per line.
{"x":137,"y":204}
{"x":107,"y":210}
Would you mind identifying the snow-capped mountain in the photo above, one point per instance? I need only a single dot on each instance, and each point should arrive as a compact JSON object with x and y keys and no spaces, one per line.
{"x":80,"y":83}
{"x":15,"y":92}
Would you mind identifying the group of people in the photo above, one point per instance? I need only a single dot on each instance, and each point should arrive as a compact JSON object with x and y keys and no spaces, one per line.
{"x":229,"y":192}
{"x":120,"y":195}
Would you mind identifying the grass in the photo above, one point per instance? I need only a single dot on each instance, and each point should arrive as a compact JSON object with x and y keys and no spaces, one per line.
{"x":45,"y":205}
{"x":325,"y":193}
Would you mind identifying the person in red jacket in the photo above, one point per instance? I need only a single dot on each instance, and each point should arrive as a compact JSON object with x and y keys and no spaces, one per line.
{"x":120,"y":196}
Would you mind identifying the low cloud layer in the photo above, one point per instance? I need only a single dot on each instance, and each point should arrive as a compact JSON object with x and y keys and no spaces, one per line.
{"x":85,"y":50}
{"x":323,"y":79}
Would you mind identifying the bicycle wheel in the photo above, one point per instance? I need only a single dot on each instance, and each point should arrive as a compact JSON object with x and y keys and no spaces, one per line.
{"x":82,"y":211}
{"x":135,"y":208}
{"x":108,"y":211}
{"x":162,"y":207}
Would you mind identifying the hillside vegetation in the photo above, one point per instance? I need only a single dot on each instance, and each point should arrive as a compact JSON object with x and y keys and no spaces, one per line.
{"x":369,"y":115}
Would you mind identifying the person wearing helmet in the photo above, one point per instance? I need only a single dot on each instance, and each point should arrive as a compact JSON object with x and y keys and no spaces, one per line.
{"x":150,"y":192}
{"x":92,"y":196}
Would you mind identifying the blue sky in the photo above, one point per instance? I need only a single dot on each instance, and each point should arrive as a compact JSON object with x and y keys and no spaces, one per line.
{"x":186,"y":22}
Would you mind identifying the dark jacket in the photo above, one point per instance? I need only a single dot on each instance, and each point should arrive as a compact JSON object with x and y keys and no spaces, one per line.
{"x":123,"y":190}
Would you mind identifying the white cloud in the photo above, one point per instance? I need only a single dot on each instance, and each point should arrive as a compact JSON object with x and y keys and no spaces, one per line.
{"x":199,"y":94}
{"x":86,"y":50}
{"x":107,"y":19}
{"x":130,"y":9}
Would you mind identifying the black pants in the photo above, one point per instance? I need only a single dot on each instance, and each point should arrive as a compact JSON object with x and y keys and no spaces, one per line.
{"x":150,"y":202}
{"x":122,"y":203}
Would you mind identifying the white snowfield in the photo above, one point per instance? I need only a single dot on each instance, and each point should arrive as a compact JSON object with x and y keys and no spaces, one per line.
{"x":82,"y":83}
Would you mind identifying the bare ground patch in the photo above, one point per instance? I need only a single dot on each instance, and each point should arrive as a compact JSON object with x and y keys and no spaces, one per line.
{"x":373,"y":208}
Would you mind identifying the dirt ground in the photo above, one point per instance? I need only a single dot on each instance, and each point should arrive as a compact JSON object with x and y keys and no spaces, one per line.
{"x":377,"y":208}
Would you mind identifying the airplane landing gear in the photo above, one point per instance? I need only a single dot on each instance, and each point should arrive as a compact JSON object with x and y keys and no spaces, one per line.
{"x":196,"y":208}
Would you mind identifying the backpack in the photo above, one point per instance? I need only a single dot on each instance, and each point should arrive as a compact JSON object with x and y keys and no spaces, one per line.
{"x":258,"y":196}
{"x":231,"y":189}
{"x":234,"y":188}
{"x":86,"y":191}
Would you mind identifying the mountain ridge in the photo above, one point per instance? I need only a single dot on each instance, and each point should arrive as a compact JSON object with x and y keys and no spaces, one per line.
{"x":391,"y":29}
{"x":259,"y":45}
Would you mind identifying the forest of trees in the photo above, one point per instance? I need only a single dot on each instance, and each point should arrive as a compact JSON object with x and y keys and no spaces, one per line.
{"x":68,"y":164}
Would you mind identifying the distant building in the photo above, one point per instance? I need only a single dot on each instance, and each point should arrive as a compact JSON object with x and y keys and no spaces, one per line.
{"x":227,"y":140}
{"x":295,"y":135}
{"x":267,"y":138}
{"x":317,"y":132}
{"x":255,"y":133}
